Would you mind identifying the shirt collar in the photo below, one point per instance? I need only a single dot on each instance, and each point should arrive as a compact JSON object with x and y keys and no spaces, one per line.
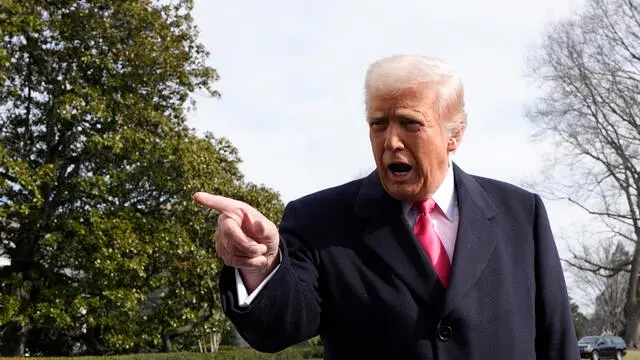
{"x":443,"y":197}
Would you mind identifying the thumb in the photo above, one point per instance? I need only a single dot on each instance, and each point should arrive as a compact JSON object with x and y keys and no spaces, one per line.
{"x":258,"y":227}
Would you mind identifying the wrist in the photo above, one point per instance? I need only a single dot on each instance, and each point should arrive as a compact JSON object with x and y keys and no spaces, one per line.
{"x":252,"y":278}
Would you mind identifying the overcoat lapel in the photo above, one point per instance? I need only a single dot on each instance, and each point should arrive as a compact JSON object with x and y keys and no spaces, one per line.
{"x":387,"y":234}
{"x":390,"y":238}
{"x":476,"y":238}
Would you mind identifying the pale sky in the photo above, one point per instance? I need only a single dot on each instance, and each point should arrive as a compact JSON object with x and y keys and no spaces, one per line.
{"x":292,"y":77}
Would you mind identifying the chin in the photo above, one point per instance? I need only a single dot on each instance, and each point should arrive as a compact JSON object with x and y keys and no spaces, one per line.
{"x":402,"y":192}
{"x":408,"y":190}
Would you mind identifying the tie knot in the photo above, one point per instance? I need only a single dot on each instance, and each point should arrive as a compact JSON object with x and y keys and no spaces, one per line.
{"x":425,"y":206}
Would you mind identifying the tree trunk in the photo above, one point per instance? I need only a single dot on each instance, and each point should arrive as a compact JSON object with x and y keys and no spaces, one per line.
{"x":14,"y":340}
{"x":169,"y":334}
{"x":167,"y":345}
{"x":92,"y":339}
{"x":632,"y":329}
{"x":632,"y":308}
{"x":215,"y":338}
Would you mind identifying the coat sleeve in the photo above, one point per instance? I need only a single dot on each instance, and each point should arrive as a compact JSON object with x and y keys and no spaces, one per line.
{"x":555,"y":333}
{"x":287,"y":310}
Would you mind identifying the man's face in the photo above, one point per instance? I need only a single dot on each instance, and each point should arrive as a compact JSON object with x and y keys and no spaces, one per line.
{"x":410,"y":141}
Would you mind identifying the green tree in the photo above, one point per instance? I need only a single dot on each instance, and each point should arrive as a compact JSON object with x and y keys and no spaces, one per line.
{"x":580,"y":321}
{"x":97,"y":166}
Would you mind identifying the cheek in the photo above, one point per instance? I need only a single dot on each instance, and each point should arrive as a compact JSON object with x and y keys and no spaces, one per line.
{"x":424,"y":161}
{"x":377,"y":144}
{"x":372,"y":138}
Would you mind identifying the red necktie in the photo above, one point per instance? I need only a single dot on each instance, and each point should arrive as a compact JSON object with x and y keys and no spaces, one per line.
{"x":430,"y":241}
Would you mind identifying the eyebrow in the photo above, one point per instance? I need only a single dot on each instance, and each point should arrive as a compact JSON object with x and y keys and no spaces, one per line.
{"x":408,"y":113}
{"x":376,"y":116}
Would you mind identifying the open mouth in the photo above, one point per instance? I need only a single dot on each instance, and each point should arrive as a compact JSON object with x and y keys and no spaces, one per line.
{"x":399,"y":169}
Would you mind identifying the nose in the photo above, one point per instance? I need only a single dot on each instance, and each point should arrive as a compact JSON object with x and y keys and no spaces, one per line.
{"x":393,"y":140}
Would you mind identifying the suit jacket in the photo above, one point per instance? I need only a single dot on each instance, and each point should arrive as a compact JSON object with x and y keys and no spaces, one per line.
{"x":353,"y":272}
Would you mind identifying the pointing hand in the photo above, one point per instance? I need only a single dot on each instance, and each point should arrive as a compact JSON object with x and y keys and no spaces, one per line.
{"x":245,"y":239}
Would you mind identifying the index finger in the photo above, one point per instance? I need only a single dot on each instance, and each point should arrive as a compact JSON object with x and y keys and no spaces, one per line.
{"x":223,"y":204}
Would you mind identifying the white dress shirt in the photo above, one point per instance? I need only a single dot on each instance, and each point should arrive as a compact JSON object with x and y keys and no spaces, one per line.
{"x":445,"y":217}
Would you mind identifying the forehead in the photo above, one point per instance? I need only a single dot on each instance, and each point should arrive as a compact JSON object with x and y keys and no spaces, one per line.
{"x":420,"y":97}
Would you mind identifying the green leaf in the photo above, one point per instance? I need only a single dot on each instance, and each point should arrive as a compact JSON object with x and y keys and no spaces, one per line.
{"x":97,"y":169}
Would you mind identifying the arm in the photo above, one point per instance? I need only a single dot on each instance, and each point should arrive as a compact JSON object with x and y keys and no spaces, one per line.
{"x":245,"y":293}
{"x":555,"y":333}
{"x":287,"y":309}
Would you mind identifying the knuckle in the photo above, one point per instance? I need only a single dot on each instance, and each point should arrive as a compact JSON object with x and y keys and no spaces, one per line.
{"x":228,"y":259}
{"x":225,"y":226}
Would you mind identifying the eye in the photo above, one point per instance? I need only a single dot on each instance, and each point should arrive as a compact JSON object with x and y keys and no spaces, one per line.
{"x":411,"y":125}
{"x":378,"y":124}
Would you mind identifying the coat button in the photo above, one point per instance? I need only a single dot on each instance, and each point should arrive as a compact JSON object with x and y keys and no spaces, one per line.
{"x":444,"y":332}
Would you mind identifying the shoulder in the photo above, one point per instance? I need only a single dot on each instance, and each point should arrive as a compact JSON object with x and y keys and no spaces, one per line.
{"x":506,"y":196}
{"x":339,"y":193}
{"x":516,"y":206}
{"x":336,"y":200}
{"x":501,"y":187}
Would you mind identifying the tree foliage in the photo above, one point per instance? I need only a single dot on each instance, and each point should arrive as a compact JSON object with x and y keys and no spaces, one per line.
{"x":580,"y":321}
{"x":97,"y":166}
{"x":589,"y":70}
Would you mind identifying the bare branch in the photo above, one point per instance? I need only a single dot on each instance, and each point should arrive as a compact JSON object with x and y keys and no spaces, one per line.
{"x":590,"y":71}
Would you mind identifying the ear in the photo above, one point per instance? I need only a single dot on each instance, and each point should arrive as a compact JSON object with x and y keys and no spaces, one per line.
{"x":454,"y":139}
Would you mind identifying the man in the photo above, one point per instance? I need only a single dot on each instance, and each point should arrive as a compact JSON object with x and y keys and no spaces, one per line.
{"x":418,"y":260}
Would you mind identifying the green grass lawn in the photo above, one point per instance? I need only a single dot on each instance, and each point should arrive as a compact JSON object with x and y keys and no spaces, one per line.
{"x":293,"y":353}
{"x":238,"y":354}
